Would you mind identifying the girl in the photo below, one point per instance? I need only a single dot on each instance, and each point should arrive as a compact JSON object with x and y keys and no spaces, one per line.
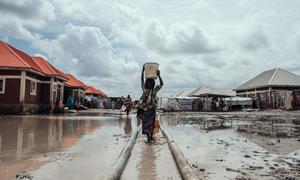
{"x":148,"y":104}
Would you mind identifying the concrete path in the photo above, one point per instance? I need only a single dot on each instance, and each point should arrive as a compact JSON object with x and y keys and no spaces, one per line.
{"x":151,"y":161}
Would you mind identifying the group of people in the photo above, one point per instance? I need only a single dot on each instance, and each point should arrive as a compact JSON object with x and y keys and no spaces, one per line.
{"x":147,"y":104}
{"x":217,"y":104}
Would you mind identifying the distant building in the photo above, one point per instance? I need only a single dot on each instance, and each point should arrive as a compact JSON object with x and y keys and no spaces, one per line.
{"x":27,"y":84}
{"x":183,"y":94}
{"x":275,"y":88}
{"x":211,"y":99}
{"x":74,"y":89}
{"x":205,"y":91}
{"x":91,"y":91}
{"x":93,"y":97}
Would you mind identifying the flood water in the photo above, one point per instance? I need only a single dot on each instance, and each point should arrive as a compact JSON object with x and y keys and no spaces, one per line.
{"x":86,"y":145}
{"x":57,"y":147}
{"x":228,"y":154}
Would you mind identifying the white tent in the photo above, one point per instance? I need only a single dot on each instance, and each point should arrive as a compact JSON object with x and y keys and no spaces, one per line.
{"x":205,"y":91}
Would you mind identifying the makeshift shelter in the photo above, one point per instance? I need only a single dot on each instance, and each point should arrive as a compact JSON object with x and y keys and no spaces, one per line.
{"x":183,"y":94}
{"x":237,"y":103}
{"x":188,"y":103}
{"x":211,"y":99}
{"x":185,"y":102}
{"x":27,"y":84}
{"x":275,"y":88}
{"x":168,"y":104}
{"x":204,"y":91}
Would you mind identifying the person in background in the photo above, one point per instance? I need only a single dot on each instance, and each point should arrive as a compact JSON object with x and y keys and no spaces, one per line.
{"x":148,"y":104}
{"x":120,"y":102}
{"x":113,"y":104}
{"x":221,"y":104}
{"x":128,"y":105}
{"x":70,"y":102}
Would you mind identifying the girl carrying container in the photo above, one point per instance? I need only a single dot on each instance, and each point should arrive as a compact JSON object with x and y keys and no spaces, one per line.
{"x":148,"y":103}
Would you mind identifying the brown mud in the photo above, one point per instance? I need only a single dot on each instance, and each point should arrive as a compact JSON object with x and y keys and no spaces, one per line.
{"x":229,"y":154}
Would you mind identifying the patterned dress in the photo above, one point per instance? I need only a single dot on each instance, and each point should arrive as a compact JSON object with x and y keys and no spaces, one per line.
{"x":148,"y":103}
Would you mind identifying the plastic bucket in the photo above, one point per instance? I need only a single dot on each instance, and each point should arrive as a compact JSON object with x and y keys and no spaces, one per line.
{"x":151,"y":70}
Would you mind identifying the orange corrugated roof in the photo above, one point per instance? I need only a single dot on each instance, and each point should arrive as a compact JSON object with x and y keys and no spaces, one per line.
{"x":11,"y":57}
{"x":92,"y":90}
{"x":74,"y":82}
{"x":102,"y":93}
{"x":48,"y":68}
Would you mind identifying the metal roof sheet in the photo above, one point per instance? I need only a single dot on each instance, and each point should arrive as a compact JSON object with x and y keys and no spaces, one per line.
{"x":74,"y":82}
{"x":273,"y":77}
{"x":208,"y":91}
{"x":48,"y":68}
{"x":11,"y":57}
{"x":92,"y":90}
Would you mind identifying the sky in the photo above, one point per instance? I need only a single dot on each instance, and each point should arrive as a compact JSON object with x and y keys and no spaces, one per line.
{"x":196,"y":42}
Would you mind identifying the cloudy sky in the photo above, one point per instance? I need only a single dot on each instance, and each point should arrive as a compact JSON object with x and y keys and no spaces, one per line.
{"x":196,"y":42}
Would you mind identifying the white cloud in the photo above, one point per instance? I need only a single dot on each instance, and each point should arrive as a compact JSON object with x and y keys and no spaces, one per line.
{"x":255,"y":41}
{"x":84,"y":49}
{"x":29,"y":9}
{"x":105,"y":43}
{"x":20,"y":18}
{"x":182,"y":38}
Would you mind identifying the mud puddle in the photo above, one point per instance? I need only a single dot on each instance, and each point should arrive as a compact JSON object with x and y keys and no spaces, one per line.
{"x":61,"y":147}
{"x":228,"y":154}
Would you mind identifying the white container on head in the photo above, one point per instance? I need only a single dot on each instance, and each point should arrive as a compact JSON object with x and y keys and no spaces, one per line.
{"x":151,"y":70}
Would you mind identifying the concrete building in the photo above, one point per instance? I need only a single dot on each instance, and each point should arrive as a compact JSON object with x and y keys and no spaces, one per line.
{"x":74,"y":89}
{"x":275,"y":88}
{"x":27,"y":84}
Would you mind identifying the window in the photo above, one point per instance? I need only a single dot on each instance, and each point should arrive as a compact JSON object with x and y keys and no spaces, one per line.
{"x":33,"y":86}
{"x":2,"y":86}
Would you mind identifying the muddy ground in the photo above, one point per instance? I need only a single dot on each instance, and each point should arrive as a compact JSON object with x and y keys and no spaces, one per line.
{"x":86,"y":144}
{"x":230,"y":154}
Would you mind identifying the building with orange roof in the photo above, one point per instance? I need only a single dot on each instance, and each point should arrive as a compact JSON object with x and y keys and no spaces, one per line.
{"x":28,"y":84}
{"x":93,"y":96}
{"x":90,"y":90}
{"x":74,"y":90}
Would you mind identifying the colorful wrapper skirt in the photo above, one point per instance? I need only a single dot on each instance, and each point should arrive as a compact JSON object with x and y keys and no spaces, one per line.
{"x":148,"y":121}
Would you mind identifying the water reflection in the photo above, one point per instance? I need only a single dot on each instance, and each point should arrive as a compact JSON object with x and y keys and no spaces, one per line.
{"x":276,"y":134}
{"x":23,"y":137}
